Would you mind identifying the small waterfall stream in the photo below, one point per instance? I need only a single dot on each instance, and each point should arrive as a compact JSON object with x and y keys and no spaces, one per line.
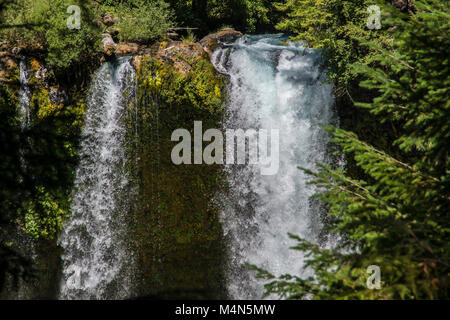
{"x":95,"y":257}
{"x":24,"y":94}
{"x":272,"y":86}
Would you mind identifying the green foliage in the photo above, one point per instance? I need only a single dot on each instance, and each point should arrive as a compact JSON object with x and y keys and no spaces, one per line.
{"x":210,"y":15}
{"x":42,"y":216}
{"x":142,"y":21}
{"x":258,"y":14}
{"x":414,"y":83}
{"x":339,"y":27}
{"x":36,"y":169}
{"x":190,"y":38}
{"x":396,"y":214}
{"x":46,"y":29}
{"x":65,"y":46}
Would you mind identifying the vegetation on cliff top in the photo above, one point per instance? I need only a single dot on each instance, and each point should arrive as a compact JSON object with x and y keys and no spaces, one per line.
{"x":41,"y":26}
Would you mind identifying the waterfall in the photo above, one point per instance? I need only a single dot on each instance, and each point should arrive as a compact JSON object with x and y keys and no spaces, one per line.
{"x":95,"y":257}
{"x":272,"y":86}
{"x":24,"y":94}
{"x":23,"y":108}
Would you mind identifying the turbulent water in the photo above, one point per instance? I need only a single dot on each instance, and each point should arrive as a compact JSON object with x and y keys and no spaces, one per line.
{"x":272,"y":86}
{"x":95,"y":256}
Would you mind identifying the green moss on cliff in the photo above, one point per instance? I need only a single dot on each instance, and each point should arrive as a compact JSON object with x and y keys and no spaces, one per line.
{"x":49,"y":151}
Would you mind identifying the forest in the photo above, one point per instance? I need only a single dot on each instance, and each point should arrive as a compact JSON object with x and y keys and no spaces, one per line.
{"x":370,"y":78}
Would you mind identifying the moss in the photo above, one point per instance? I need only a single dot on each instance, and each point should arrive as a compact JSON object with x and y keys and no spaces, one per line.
{"x":12,"y":84}
{"x":55,"y":132}
{"x":44,"y":216}
{"x":43,"y":109}
{"x":41,"y":104}
{"x":200,"y":87}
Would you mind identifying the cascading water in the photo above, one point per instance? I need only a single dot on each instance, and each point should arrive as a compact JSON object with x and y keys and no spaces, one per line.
{"x":95,"y":256}
{"x":23,"y":106}
{"x":272,"y":86}
{"x":24,"y":95}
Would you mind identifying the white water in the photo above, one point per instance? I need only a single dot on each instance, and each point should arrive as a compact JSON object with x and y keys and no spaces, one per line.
{"x":95,"y":256}
{"x":23,"y":107}
{"x":24,"y":95}
{"x":272,"y":86}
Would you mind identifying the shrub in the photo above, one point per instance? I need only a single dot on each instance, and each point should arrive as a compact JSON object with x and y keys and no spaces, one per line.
{"x":43,"y":26}
{"x":142,"y":21}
